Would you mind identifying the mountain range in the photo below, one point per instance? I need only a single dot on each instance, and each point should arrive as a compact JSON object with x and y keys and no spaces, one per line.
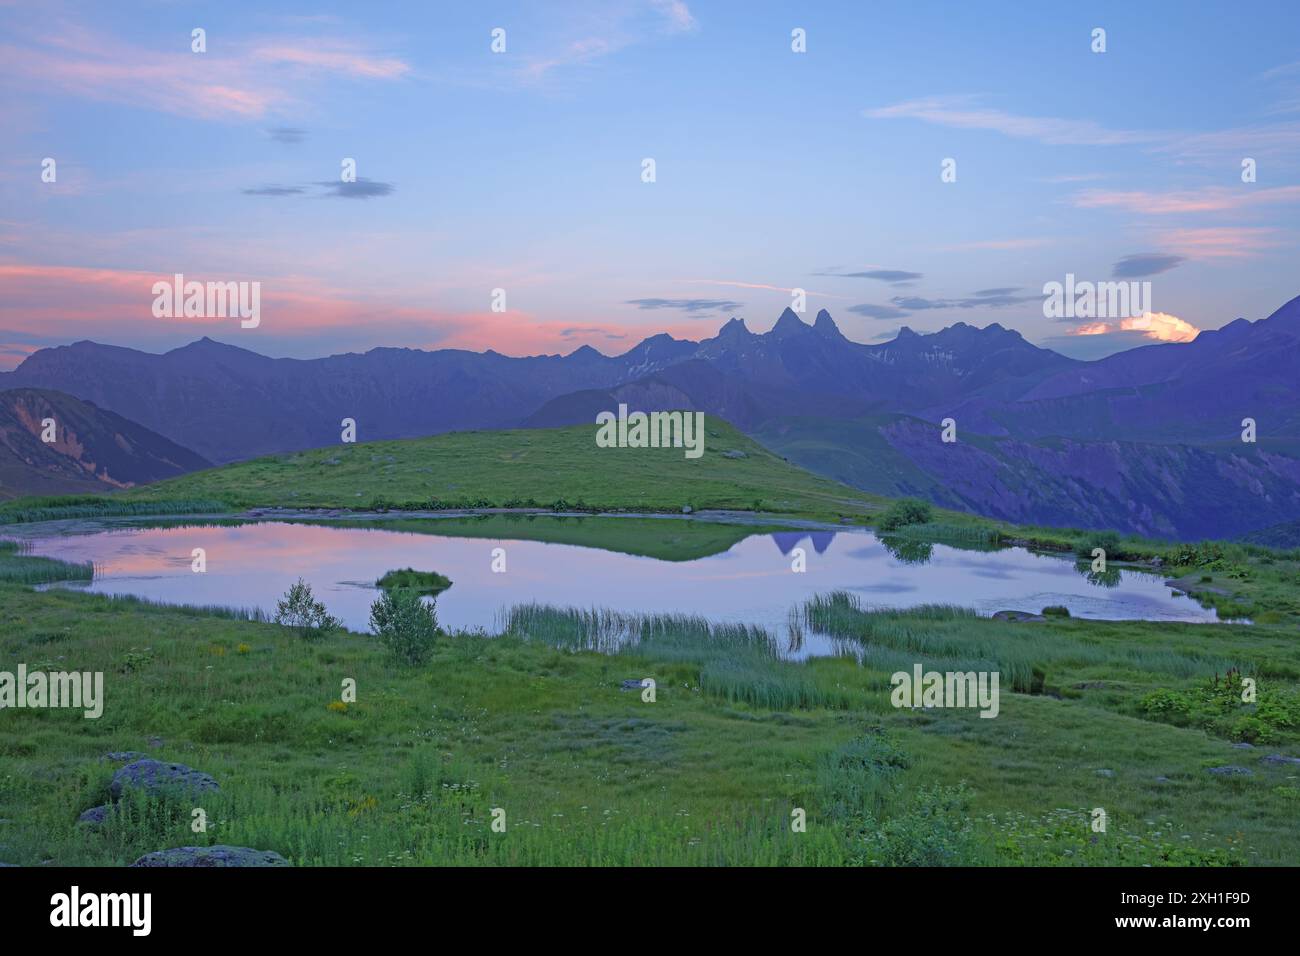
{"x":1146,"y":441}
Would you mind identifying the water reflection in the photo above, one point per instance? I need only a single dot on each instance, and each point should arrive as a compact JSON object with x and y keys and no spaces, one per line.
{"x":755,"y":580}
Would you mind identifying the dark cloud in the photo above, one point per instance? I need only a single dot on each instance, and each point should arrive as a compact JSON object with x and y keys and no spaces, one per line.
{"x":1145,"y":264}
{"x":687,"y":305}
{"x":1003,"y":290}
{"x":287,"y":134}
{"x":987,"y":299}
{"x":877,"y":311}
{"x":275,"y":191}
{"x":361,"y":189}
{"x":883,"y":275}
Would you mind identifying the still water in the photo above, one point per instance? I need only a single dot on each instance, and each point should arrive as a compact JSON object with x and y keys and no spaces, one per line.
{"x":252,"y":565}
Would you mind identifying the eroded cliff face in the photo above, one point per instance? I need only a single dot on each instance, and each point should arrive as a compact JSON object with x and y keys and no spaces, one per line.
{"x":51,"y":443}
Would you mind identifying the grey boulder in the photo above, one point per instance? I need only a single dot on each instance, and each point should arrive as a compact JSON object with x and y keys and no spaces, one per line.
{"x":161,"y":779}
{"x":218,"y":855}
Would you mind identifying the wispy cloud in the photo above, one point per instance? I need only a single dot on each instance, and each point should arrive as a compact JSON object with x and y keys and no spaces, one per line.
{"x":984,"y":299}
{"x":960,"y":112}
{"x":893,"y":276}
{"x":360,"y":189}
{"x":963,"y":112}
{"x":609,"y":33}
{"x":239,"y":81}
{"x":274,"y":190}
{"x":1072,"y":178}
{"x":758,"y":285}
{"x":902,"y":305}
{"x":289,"y":135}
{"x":677,"y":13}
{"x":872,"y":311}
{"x":1000,"y":244}
{"x":1220,"y":242}
{"x":1209,"y":199}
{"x":330,"y":56}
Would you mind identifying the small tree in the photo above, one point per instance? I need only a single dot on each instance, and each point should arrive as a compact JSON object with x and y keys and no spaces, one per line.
{"x":300,"y":610}
{"x":405,"y":624}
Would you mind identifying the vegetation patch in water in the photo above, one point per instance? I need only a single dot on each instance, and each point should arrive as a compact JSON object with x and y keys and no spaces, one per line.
{"x":421,"y":582}
{"x":22,"y":568}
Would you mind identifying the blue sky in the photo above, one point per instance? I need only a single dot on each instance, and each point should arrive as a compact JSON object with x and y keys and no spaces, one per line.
{"x":522,"y":170}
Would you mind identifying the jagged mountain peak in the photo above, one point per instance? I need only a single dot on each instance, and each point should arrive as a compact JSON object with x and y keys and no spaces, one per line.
{"x":787,"y":324}
{"x":734,"y":327}
{"x":826,"y":325}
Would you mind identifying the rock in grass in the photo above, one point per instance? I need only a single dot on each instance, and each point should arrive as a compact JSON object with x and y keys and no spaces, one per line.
{"x":95,"y":816}
{"x":634,"y":683}
{"x":160,"y":779}
{"x":212,"y":856}
{"x":1017,"y":616}
{"x":1280,"y":760}
{"x":1232,"y":771}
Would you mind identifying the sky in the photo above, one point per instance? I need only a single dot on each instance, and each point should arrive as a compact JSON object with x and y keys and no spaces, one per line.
{"x":524,"y":170}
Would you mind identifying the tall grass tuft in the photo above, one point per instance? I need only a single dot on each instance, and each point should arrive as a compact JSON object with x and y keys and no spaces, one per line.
{"x":23,"y":510}
{"x":739,"y":663}
{"x":18,"y":566}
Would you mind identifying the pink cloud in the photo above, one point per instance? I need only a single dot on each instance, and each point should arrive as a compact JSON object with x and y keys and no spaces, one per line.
{"x":333,"y":58}
{"x":60,"y":303}
{"x":1157,"y":326}
{"x":237,"y":82}
{"x":1221,"y":242}
{"x":1212,"y":199}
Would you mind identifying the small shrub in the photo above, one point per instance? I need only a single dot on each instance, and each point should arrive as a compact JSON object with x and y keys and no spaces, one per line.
{"x":1056,"y":610}
{"x":405,"y":624}
{"x":903,"y":512}
{"x":1108,"y":541}
{"x":300,"y":610}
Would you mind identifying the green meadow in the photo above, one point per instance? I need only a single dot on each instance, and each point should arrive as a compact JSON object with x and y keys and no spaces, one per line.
{"x":735,"y":756}
{"x":558,"y":468}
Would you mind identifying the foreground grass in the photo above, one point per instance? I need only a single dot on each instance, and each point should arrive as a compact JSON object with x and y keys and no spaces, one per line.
{"x":559,"y":468}
{"x":587,"y":772}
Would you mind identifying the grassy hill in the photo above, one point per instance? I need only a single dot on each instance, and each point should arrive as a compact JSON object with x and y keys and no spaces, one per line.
{"x":558,"y":467}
